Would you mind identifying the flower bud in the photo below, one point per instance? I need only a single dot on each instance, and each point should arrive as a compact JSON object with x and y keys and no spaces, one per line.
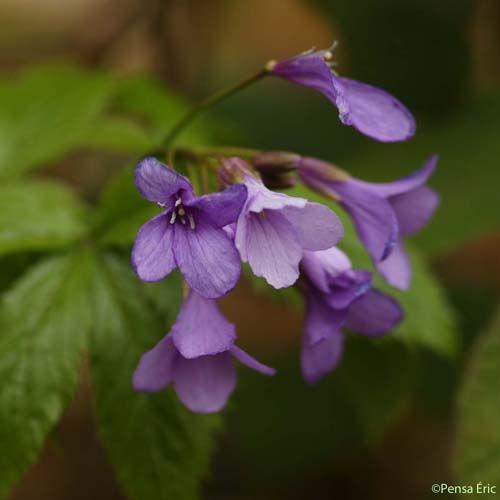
{"x":233,"y":170}
{"x":279,"y":180}
{"x":276,"y":161}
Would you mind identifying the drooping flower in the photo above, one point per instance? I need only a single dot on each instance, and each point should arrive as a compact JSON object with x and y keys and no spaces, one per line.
{"x":274,"y":229}
{"x":196,"y":358}
{"x":382,"y":213}
{"x":337,"y":295}
{"x":188,"y":234}
{"x":370,"y":110}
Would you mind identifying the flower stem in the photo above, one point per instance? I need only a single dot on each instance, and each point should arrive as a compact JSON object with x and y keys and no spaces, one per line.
{"x":208,"y":102}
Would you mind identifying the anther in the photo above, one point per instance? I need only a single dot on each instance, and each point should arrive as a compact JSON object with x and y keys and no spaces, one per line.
{"x":178,"y":202}
{"x":191,"y":222}
{"x":174,"y":215}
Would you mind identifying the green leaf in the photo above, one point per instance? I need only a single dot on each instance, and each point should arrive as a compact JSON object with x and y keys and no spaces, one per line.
{"x":45,"y":112}
{"x":478,"y":432}
{"x":44,"y":318}
{"x":159,"y":449}
{"x":122,"y":210}
{"x":429,"y":318}
{"x":159,"y":109}
{"x":39,"y":215}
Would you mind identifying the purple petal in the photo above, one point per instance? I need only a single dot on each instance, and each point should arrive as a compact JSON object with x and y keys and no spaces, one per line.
{"x":374,"y":314}
{"x":317,"y":227}
{"x":321,"y":321}
{"x":200,"y":328}
{"x":321,"y":266}
{"x":157,"y":183}
{"x":222,"y":208}
{"x":204,"y":384}
{"x":375,"y":113}
{"x":414,"y":209}
{"x":152,"y":255}
{"x":311,"y":70}
{"x":373,"y":217}
{"x":413,"y":181}
{"x":206,"y":258}
{"x":319,"y":359}
{"x":347,"y":287}
{"x":396,"y":269}
{"x":154,"y":371}
{"x":268,"y":242}
{"x":260,"y":198}
{"x":251,"y":362}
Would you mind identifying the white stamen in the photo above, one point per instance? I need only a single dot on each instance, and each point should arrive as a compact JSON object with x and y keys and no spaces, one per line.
{"x":191,"y":221}
{"x":183,"y":220}
{"x":174,"y":215}
{"x":178,"y":202}
{"x":161,"y":204}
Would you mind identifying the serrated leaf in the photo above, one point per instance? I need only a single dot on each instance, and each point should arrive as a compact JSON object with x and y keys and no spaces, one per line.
{"x":44,"y":318}
{"x":39,"y":215}
{"x":478,"y":432}
{"x":159,"y":449}
{"x":45,"y":112}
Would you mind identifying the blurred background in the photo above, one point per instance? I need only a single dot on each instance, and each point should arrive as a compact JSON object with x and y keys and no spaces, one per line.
{"x":388,"y":423}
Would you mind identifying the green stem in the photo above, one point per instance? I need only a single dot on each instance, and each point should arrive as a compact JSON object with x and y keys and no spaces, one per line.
{"x":210,"y":101}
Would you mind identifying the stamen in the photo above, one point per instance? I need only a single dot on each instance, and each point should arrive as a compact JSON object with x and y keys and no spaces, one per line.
{"x":174,"y":215}
{"x":191,"y":222}
{"x":178,"y":202}
{"x":183,"y":220}
{"x":161,"y":204}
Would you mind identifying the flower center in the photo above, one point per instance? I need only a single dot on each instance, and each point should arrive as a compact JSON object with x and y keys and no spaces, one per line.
{"x":179,"y":213}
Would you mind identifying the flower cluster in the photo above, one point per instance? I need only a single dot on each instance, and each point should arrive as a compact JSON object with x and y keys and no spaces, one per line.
{"x":287,"y":240}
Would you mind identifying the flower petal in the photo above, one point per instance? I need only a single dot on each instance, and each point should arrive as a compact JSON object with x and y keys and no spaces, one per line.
{"x":396,"y":269}
{"x":311,"y":70}
{"x":200,"y":328}
{"x":317,"y":227}
{"x":373,"y":217}
{"x":156,"y":182}
{"x":222,"y":208}
{"x":204,"y":384}
{"x":413,"y":181}
{"x":268,"y":242}
{"x":206,"y":258}
{"x":374,"y":314}
{"x":154,"y":371}
{"x":319,"y":359}
{"x":347,"y":287}
{"x":375,"y":113}
{"x":245,"y":358}
{"x":322,"y":265}
{"x":414,"y":209}
{"x":321,"y":321}
{"x":260,"y":198}
{"x":152,"y":255}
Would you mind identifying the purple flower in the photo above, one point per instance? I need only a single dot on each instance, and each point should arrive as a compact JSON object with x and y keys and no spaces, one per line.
{"x":337,"y":295}
{"x":195,"y":357}
{"x":188,"y":234}
{"x":274,"y":229}
{"x":382,"y":213}
{"x":371,"y":111}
